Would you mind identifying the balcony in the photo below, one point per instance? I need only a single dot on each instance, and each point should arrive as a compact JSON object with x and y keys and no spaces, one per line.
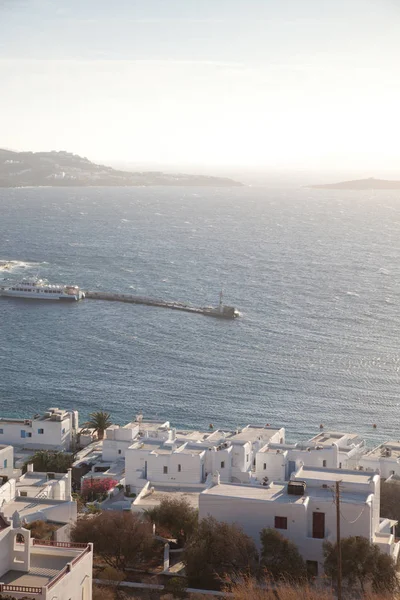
{"x":49,"y":562}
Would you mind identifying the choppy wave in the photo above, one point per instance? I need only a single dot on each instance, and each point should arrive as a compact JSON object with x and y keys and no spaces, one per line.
{"x":14,"y":265}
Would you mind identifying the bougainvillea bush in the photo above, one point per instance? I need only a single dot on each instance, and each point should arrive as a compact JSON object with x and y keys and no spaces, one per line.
{"x":96,"y":488}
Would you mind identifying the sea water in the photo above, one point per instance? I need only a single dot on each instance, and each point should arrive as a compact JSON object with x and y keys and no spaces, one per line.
{"x":315,"y":274}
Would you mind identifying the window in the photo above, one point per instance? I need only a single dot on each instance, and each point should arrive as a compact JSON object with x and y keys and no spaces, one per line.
{"x":28,"y":435}
{"x":63,"y":430}
{"x":340,"y":465}
{"x":324,"y":463}
{"x":318,"y":525}
{"x":1,"y":431}
{"x":165,"y":470}
{"x":247,"y":457}
{"x":23,"y":433}
{"x":280,"y":522}
{"x":5,"y":464}
{"x":312,"y":568}
{"x":119,"y":451}
{"x":265,"y":466}
{"x":222,"y":464}
{"x":41,"y":431}
{"x":179,"y":468}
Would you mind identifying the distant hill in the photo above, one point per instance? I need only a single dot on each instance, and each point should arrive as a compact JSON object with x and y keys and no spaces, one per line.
{"x":63,"y":169}
{"x":360,"y":184}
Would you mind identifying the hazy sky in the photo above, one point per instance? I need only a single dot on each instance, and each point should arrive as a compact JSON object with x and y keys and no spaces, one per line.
{"x":274,"y":83}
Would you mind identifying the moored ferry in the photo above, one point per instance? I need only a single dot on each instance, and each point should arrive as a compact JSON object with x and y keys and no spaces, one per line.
{"x":40,"y":289}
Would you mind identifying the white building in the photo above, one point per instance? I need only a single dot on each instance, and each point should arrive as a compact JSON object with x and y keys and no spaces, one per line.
{"x":385,"y":459}
{"x":117,"y":440}
{"x":188,"y":457}
{"x":276,"y":462}
{"x":54,"y":430}
{"x":39,"y":496}
{"x":42,"y":570}
{"x":309,"y":519}
{"x":351,"y":446}
{"x":7,"y":463}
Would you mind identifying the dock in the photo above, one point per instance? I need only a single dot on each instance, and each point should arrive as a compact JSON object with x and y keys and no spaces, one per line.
{"x":221,"y":311}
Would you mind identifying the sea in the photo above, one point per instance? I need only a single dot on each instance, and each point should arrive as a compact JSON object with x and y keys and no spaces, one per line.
{"x":315,"y":275}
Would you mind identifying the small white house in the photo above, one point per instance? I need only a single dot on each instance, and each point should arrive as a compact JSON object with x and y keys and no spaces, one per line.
{"x":117,"y":440}
{"x":384,"y":459}
{"x":54,"y":430}
{"x":42,"y":570}
{"x":39,"y":496}
{"x":351,"y":446}
{"x":307,"y":519}
{"x":163,"y":462}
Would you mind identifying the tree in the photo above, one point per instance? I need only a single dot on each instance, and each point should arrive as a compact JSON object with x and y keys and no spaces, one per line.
{"x":41,"y":530}
{"x":45,"y":461}
{"x":216,"y":550}
{"x":280,"y":557}
{"x":99,"y":421}
{"x":177,"y":517}
{"x":96,"y":488}
{"x":362,"y":563}
{"x":122,"y":539}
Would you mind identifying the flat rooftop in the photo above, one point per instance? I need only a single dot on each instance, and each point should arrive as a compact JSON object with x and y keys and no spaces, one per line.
{"x":43,"y":568}
{"x":252,"y":433}
{"x":333,"y":475}
{"x":149,"y":425}
{"x":271,"y":450}
{"x":159,"y":446}
{"x":386,"y":450}
{"x":146,"y":444}
{"x":327,"y":438}
{"x":193,"y":436}
{"x":192,"y":450}
{"x":45,"y":565}
{"x":27,"y":506}
{"x":277,"y":492}
{"x":154,"y":499}
{"x":34,"y":482}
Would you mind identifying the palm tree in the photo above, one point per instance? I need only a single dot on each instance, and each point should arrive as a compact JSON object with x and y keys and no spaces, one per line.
{"x":99,"y":421}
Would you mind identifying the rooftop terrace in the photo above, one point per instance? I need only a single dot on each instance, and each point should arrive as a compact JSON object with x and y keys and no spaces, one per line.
{"x":386,"y":450}
{"x":175,"y":493}
{"x":277,"y":492}
{"x":252,"y":433}
{"x":327,"y":438}
{"x":48,"y":561}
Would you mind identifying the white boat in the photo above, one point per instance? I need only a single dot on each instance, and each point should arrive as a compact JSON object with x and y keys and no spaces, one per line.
{"x":40,"y":289}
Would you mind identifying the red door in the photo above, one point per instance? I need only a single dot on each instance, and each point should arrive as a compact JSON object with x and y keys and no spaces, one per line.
{"x":318,"y":525}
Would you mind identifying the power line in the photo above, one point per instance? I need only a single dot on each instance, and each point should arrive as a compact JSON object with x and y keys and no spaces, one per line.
{"x":356,"y":519}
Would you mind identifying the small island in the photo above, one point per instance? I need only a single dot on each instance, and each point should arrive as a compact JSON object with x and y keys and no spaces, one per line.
{"x":63,"y":169}
{"x":359,"y":184}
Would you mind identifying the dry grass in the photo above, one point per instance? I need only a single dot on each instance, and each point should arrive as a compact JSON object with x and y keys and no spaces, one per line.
{"x":250,"y":590}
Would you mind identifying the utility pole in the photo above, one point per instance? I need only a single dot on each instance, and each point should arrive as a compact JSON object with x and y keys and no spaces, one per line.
{"x":338,"y":545}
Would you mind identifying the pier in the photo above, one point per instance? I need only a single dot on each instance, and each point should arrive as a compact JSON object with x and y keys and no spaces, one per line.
{"x":221,"y":311}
